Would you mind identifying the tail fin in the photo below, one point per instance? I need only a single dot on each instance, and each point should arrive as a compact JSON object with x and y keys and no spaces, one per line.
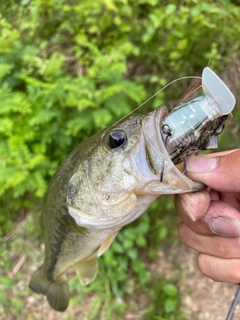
{"x":57,"y":291}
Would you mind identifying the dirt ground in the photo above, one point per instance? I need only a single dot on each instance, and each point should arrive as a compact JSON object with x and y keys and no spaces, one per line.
{"x":201,"y":298}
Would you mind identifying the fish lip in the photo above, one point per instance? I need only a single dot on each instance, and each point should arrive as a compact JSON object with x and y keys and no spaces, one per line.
{"x":161,"y":113}
{"x":156,"y":151}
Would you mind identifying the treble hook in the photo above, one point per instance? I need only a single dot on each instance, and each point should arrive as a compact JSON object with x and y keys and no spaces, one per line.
{"x":184,"y":165}
{"x":167,"y":131}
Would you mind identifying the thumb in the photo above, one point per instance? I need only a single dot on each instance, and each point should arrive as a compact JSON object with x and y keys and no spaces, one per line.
{"x":219,"y":171}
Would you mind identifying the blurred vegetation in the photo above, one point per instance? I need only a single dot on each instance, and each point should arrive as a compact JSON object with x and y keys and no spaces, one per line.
{"x":70,"y":68}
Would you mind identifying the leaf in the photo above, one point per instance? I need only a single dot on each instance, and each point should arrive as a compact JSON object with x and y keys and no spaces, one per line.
{"x":170,"y":289}
{"x":43,"y":116}
{"x":117,"y":106}
{"x":81,"y":122}
{"x":54,"y":65}
{"x":170,"y":9}
{"x":101,"y":118}
{"x":132,"y":253}
{"x":170,"y":305}
{"x":5,"y":69}
{"x":141,"y":241}
{"x":163,"y":232}
{"x":6,"y":126}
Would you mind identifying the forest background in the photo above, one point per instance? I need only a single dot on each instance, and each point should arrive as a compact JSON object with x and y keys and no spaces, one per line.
{"x":69,"y":69}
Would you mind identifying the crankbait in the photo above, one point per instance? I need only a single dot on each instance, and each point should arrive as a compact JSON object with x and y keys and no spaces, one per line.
{"x":195,"y":125}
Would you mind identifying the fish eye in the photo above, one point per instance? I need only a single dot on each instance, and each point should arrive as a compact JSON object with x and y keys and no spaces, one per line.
{"x":117,"y":139}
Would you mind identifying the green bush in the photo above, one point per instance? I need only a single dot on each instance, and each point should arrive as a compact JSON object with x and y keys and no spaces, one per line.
{"x":165,"y":302}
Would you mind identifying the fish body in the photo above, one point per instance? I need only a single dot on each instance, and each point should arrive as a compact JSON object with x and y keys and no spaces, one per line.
{"x":108,"y":181}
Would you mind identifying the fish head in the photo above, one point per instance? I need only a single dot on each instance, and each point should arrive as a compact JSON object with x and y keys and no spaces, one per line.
{"x":119,"y":174}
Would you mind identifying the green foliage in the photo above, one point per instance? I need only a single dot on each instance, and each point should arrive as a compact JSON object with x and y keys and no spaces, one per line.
{"x":122,"y":261}
{"x":165,"y":302}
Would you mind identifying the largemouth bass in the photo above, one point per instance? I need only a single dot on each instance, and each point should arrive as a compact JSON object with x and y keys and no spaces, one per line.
{"x":110,"y":179}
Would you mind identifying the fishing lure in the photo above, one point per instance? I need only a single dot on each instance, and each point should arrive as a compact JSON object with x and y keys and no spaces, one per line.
{"x":195,"y":125}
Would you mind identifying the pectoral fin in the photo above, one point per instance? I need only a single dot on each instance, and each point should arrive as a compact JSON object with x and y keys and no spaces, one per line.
{"x":106,"y":244}
{"x":87,"y":270}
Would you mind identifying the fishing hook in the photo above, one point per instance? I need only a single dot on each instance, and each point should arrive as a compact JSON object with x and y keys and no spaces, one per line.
{"x":167,"y":132}
{"x":184,"y":165}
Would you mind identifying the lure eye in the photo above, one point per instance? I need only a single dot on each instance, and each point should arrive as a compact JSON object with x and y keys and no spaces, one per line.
{"x":117,"y":139}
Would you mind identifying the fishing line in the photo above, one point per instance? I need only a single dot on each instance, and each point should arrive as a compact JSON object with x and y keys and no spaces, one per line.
{"x":167,"y":85}
{"x":194,"y":89}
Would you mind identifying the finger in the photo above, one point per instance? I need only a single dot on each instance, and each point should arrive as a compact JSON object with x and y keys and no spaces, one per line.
{"x":218,"y":269}
{"x":193,"y":205}
{"x":212,"y":245}
{"x":220,"y":219}
{"x":231,"y":198}
{"x":217,"y":218}
{"x":214,"y":195}
{"x":220,"y":153}
{"x":219,"y":172}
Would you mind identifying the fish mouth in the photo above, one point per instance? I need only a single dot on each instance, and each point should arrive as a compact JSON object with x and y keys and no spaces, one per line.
{"x":167,"y":174}
{"x":155,"y":149}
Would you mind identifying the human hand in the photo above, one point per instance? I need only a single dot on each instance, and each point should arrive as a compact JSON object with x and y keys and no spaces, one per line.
{"x":211,"y":218}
